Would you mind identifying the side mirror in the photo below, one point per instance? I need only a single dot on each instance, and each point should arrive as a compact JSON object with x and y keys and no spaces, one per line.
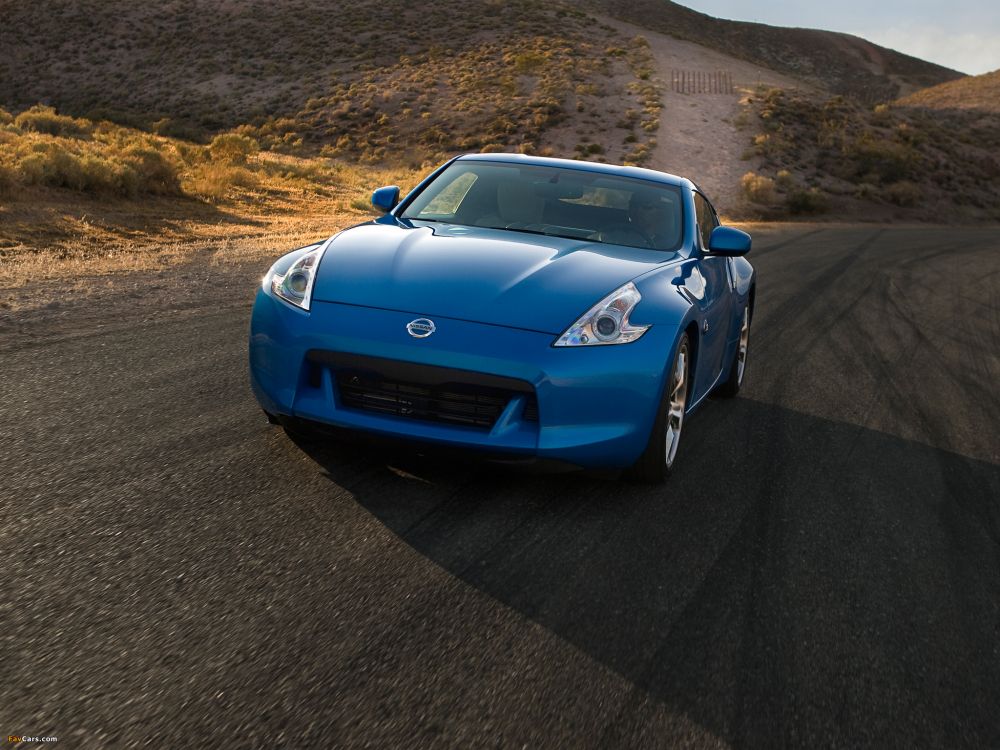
{"x":385,"y":198}
{"x":728,"y":241}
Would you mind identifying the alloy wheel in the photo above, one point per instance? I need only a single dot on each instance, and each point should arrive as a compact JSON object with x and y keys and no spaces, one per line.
{"x":677,"y":404}
{"x":741,"y":354}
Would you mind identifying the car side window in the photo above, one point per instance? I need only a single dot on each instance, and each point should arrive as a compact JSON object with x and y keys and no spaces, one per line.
{"x":707,"y":218}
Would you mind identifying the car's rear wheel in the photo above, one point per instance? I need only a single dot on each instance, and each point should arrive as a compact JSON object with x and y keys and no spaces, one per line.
{"x":738,"y":369}
{"x":657,"y":461}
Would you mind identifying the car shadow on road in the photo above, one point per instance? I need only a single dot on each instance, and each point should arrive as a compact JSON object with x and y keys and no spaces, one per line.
{"x":797,"y":581}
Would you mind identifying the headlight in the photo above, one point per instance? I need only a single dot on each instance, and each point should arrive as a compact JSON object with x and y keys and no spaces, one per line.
{"x":295,"y":285}
{"x":607,"y":321}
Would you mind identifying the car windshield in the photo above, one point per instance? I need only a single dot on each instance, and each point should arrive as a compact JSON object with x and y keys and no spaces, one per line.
{"x":554,"y":201}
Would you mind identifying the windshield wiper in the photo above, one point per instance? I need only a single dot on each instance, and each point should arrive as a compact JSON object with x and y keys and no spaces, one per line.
{"x":504,"y":229}
{"x":544,"y":234}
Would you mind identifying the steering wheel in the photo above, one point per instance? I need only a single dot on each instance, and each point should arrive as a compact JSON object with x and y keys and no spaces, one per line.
{"x":624,"y":234}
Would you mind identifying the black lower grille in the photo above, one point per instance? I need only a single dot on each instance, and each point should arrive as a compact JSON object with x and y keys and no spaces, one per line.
{"x":424,"y":392}
{"x":530,"y":413}
{"x":475,"y":407}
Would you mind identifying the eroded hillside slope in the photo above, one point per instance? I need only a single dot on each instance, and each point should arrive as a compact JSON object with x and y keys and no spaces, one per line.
{"x":841,"y":63}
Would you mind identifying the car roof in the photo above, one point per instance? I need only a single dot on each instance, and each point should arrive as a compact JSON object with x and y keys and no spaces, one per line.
{"x":587,"y":166}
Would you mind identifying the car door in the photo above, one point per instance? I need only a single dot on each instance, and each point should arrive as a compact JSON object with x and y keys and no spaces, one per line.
{"x":716,"y":305}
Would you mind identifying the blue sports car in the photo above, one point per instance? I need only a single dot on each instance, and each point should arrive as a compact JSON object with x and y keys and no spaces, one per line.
{"x":530,"y":309}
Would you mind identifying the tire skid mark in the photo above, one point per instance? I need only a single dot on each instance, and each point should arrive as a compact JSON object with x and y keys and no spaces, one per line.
{"x":809,"y":295}
{"x":768,"y":249}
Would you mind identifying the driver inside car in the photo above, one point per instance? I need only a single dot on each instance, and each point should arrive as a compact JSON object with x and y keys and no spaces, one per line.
{"x":651,"y":215}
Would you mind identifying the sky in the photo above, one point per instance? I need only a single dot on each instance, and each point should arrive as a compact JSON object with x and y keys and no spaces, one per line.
{"x":959,"y":34}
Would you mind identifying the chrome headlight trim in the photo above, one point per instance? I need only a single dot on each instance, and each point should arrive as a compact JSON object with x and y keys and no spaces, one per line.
{"x":607,"y":322}
{"x":295,"y":285}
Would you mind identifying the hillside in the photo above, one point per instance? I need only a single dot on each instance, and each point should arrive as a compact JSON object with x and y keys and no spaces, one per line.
{"x":840,"y":63}
{"x":111,"y":114}
{"x":980,"y":92}
{"x":363,"y":79}
{"x":816,"y":155}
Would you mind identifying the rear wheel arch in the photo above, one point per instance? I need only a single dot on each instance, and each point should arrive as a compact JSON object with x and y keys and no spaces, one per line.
{"x":694,"y":336}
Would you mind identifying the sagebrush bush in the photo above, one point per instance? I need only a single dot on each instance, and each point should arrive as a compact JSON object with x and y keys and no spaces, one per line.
{"x":904,"y":193}
{"x":8,"y":179}
{"x":784,"y":179}
{"x":104,"y":159}
{"x":757,"y":188}
{"x":52,"y":165}
{"x":233,"y":148}
{"x":154,"y":173}
{"x":811,"y":201}
{"x":882,"y":115}
{"x":42,"y":119}
{"x":886,"y":160}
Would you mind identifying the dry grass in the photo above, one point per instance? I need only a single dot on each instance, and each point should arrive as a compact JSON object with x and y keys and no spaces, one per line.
{"x":976,"y":92}
{"x":58,"y":223}
{"x":40,"y":147}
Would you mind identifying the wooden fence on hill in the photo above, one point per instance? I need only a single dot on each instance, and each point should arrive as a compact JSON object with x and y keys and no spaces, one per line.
{"x":701,"y":82}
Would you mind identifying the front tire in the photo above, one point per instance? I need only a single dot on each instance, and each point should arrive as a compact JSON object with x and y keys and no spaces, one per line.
{"x":657,"y":461}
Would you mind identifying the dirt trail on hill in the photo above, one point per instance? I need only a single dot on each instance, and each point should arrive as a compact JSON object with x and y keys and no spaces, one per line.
{"x":698,"y":138}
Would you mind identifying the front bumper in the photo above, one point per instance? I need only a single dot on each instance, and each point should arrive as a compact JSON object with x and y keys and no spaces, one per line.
{"x":595,"y":405}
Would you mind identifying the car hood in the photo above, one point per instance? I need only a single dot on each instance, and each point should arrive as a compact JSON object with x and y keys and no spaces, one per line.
{"x":494,"y":276}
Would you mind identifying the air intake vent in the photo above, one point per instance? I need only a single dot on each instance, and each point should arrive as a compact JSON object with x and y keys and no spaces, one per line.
{"x":423,"y":392}
{"x":472,"y":406}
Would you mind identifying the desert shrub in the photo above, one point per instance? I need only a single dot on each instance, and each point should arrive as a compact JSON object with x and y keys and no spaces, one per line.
{"x":784,"y":179}
{"x":42,"y":119}
{"x":887,"y":161}
{"x":638,"y":155}
{"x":31,"y":169}
{"x":757,"y":188}
{"x":904,"y":193}
{"x":8,"y":179}
{"x":865,"y":191}
{"x":233,"y":148}
{"x":6,"y":118}
{"x":881,"y":115}
{"x":103,"y":176}
{"x":811,"y":201}
{"x":190,"y":153}
{"x":52,"y":165}
{"x":153,"y":172}
{"x":528,"y":62}
{"x":213,"y":181}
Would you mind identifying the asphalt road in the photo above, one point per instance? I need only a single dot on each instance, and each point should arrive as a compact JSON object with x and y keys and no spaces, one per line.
{"x":823,"y":569}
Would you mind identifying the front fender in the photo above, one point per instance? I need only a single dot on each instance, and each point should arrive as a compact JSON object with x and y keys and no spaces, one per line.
{"x":667,"y":296}
{"x":743,"y":276}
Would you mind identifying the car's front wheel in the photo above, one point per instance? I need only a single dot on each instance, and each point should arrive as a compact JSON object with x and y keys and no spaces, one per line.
{"x":657,"y":461}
